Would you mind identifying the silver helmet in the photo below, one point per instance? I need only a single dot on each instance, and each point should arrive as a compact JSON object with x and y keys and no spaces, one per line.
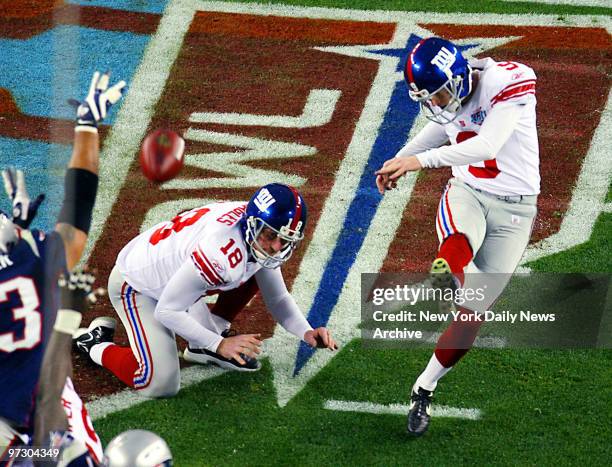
{"x":137,"y":448}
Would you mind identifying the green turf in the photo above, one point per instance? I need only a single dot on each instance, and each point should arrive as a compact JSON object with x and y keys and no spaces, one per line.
{"x":446,"y":6}
{"x":540,"y":408}
{"x":592,"y":256}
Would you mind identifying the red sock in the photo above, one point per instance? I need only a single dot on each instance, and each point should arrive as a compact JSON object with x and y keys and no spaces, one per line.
{"x":121,"y":362}
{"x":457,"y":252}
{"x":231,"y":302}
{"x":458,"y":338}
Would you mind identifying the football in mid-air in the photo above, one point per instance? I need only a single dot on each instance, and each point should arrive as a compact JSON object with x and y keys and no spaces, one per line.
{"x":161,"y":155}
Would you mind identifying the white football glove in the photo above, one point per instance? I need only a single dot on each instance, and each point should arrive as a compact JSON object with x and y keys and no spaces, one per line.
{"x":24,"y":210}
{"x":8,"y":234}
{"x":98,"y":101}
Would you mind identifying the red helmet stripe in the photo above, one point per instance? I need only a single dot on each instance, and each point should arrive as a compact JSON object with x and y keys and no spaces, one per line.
{"x":298,"y":208}
{"x":410,"y":61}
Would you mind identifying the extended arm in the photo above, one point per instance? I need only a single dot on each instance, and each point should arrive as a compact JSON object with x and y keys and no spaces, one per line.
{"x":285,"y":311}
{"x":431,"y":136}
{"x":81,"y":182}
{"x":495,"y":132}
{"x":280,"y":303}
{"x":75,"y":294}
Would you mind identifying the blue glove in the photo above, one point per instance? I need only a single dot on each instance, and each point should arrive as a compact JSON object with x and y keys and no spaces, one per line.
{"x":98,"y":101}
{"x":24,"y":210}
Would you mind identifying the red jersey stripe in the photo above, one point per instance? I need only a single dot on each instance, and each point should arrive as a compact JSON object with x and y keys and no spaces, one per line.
{"x":514,"y":96}
{"x":211,"y":267}
{"x":204,"y":269}
{"x":514,"y":89}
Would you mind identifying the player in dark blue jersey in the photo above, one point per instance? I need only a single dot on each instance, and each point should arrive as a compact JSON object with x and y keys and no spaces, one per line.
{"x":26,"y":293}
{"x":30,"y":264}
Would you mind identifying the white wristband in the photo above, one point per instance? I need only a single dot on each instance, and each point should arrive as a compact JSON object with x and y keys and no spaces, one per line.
{"x":86,"y":128}
{"x":67,"y":321}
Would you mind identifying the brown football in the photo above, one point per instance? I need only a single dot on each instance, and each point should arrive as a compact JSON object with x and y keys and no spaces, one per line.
{"x":161,"y":155}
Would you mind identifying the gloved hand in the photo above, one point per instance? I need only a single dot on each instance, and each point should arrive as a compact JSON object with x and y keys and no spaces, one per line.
{"x":24,"y":210}
{"x":98,"y":101}
{"x":77,"y":290}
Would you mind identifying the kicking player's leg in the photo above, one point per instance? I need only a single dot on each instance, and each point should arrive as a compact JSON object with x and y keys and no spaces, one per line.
{"x":461,"y":228}
{"x":150,"y":364}
{"x":460,"y":225}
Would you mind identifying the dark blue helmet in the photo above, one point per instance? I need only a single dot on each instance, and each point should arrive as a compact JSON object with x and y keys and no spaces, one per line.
{"x":433,"y":65}
{"x":282,"y":209}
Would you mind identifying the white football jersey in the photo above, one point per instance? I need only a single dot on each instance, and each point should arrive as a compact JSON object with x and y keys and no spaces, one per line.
{"x":208,"y":236}
{"x":79,"y":422}
{"x":515,"y":168}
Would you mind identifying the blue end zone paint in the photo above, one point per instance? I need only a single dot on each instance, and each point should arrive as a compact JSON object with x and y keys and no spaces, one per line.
{"x":392,"y":135}
{"x":394,"y":130}
{"x":44,"y":71}
{"x":43,"y":165}
{"x":146,"y":6}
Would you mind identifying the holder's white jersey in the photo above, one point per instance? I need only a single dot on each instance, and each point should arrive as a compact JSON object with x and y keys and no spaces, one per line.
{"x":515,"y":168}
{"x":209,"y":236}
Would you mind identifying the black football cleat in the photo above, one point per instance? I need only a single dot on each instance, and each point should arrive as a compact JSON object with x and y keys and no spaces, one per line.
{"x":100,"y":330}
{"x":420,"y":412}
{"x":204,"y":356}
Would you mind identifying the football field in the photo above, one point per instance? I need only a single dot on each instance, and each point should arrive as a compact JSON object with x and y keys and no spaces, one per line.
{"x":311,"y":93}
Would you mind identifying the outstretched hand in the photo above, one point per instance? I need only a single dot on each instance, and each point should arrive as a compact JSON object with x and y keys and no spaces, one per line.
{"x":24,"y":209}
{"x":77,"y":290}
{"x":320,"y":338}
{"x":98,"y":101}
{"x":392,"y":170}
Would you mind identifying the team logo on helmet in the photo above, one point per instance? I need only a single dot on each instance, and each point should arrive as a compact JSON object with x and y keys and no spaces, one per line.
{"x":436,"y":67}
{"x":281,"y":210}
{"x":444,"y":59}
{"x":264,"y":199}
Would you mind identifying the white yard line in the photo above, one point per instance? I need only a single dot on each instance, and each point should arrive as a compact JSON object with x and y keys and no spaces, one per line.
{"x":136,"y":112}
{"x":437,"y":411}
{"x":602,"y":3}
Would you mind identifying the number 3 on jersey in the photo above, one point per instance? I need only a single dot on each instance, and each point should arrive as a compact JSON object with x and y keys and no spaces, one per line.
{"x":490,"y":169}
{"x":177,"y":224}
{"x":28,"y":312}
{"x":235,"y":256}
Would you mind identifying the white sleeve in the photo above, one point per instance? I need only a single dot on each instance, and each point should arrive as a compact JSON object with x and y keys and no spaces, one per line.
{"x":280,"y":303}
{"x":431,"y":136}
{"x":494,"y":133}
{"x":184,"y":288}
